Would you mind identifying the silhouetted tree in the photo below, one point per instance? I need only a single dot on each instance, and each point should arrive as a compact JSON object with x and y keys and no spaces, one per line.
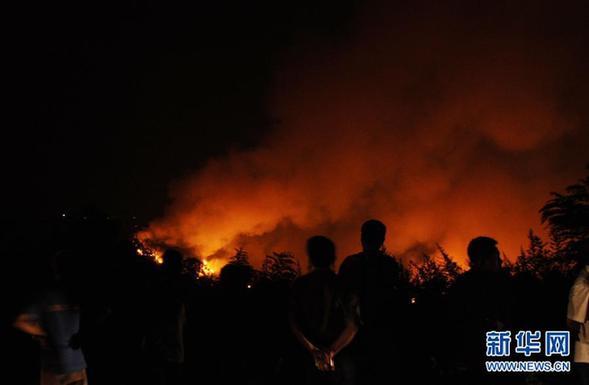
{"x":450,"y":268}
{"x":282,"y":266}
{"x":428,"y":275}
{"x":567,"y":218}
{"x":434,"y":275}
{"x":534,"y":260}
{"x":241,"y":257}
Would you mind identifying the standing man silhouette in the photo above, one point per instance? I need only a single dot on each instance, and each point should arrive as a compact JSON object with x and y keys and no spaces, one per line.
{"x":377,"y":282}
{"x":164,"y":341}
{"x":319,"y":320}
{"x":479,"y":301}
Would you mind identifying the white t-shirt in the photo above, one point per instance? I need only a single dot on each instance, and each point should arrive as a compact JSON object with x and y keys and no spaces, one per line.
{"x":577,"y":311}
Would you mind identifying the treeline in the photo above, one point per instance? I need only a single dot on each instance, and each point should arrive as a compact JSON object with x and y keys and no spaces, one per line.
{"x":565,"y":216}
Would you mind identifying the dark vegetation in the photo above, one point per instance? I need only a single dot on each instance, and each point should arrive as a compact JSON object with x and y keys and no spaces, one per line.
{"x":237,"y":329}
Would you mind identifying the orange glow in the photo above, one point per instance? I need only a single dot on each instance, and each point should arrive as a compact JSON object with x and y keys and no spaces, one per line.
{"x":212,"y":267}
{"x":153,"y":253}
{"x":440,"y":130}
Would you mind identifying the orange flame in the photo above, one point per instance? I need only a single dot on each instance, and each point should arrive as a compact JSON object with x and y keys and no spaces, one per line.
{"x":453,"y":133}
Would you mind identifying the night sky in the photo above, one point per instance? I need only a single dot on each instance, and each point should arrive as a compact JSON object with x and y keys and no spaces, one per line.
{"x":115,"y":101}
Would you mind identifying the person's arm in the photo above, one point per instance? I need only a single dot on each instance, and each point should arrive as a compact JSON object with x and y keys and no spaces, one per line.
{"x":578,"y":304}
{"x":345,"y":338}
{"x":299,"y":334}
{"x":292,"y":310}
{"x":29,"y":324}
{"x":351,"y":308}
{"x":323,"y":360}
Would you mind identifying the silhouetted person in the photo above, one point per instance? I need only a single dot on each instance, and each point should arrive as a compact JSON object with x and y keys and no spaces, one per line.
{"x":321,"y":322}
{"x":234,"y":345}
{"x":54,"y":319}
{"x":164,"y":343}
{"x":480,"y":301}
{"x":376,"y":281}
{"x":578,"y":319}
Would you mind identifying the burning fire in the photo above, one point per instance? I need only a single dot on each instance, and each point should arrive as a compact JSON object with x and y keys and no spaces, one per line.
{"x":207,"y":267}
{"x":211,"y":267}
{"x":442,"y":128}
{"x":154,"y":254}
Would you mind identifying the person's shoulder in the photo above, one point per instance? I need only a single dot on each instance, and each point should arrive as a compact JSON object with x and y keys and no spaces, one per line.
{"x":302,"y":280}
{"x":468,"y":275}
{"x":388,"y":258}
{"x":389,"y":262}
{"x":305,"y":283}
{"x":354,"y":258}
{"x":463,"y":280}
{"x":350,"y":262}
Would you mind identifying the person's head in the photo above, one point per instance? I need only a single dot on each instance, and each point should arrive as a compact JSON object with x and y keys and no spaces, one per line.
{"x":372,"y":235}
{"x":321,"y":252}
{"x":483,"y":254}
{"x":172,"y":261}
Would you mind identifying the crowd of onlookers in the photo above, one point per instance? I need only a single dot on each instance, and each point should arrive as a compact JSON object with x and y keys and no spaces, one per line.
{"x":101,"y":313}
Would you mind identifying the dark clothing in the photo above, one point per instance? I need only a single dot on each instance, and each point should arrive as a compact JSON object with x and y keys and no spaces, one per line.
{"x":479,"y":302}
{"x":582,"y":370}
{"x":165,"y":331}
{"x":164,"y":340}
{"x":164,"y":373}
{"x":378,"y":283}
{"x":318,"y":308}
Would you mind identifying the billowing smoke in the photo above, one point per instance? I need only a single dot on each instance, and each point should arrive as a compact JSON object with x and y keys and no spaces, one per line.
{"x":446,"y":122}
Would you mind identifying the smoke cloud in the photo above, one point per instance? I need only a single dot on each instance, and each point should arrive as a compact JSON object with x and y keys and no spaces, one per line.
{"x":444,"y":121}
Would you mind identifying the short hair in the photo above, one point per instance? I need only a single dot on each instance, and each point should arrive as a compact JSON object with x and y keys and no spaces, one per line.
{"x":481,"y":248}
{"x":321,"y":251}
{"x":373,"y":232}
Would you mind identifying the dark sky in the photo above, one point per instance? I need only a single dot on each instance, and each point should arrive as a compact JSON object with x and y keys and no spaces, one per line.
{"x":112,"y":102}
